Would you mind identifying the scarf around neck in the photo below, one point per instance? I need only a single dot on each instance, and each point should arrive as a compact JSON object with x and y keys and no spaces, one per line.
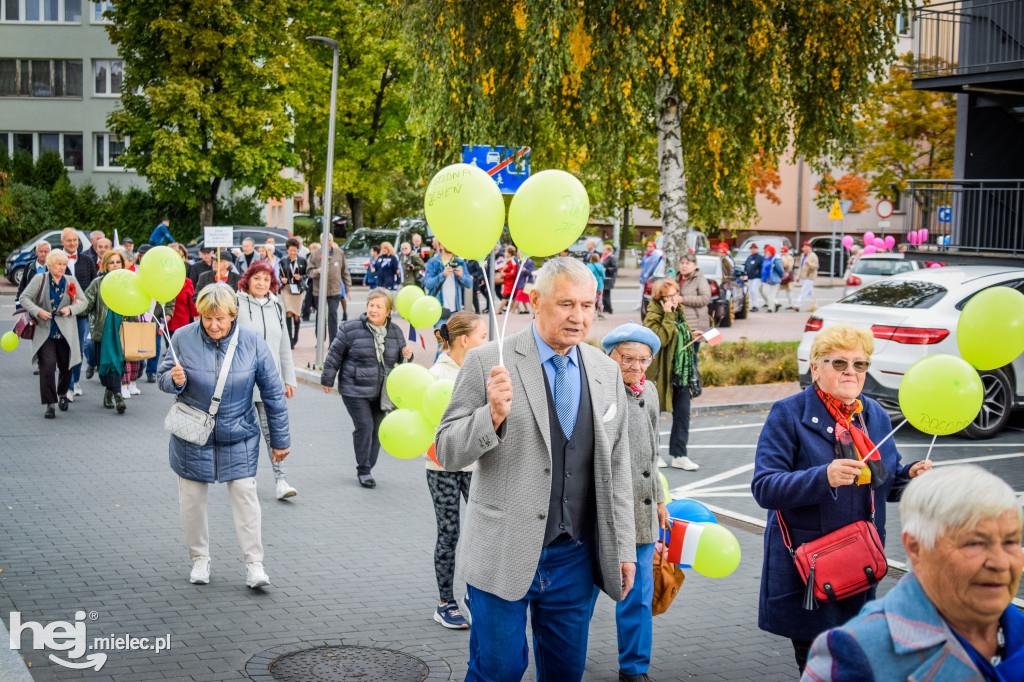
{"x":379,"y":334}
{"x":853,"y":441}
{"x":639,"y":388}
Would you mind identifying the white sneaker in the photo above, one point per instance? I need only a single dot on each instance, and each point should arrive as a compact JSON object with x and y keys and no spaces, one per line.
{"x":133,"y":389}
{"x":685,"y":463}
{"x":284,"y":490}
{"x":662,"y":463}
{"x":125,"y":393}
{"x":78,"y":389}
{"x":70,"y":395}
{"x":200,"y":571}
{"x":255,"y":576}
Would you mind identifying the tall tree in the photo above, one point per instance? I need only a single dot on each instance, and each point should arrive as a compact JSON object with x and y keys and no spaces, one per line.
{"x":711,"y":83}
{"x":205,"y":96}
{"x":372,"y":139}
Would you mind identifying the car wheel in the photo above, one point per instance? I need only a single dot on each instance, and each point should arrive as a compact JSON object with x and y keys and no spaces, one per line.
{"x":995,"y":408}
{"x":741,"y":314}
{"x":17,"y":275}
{"x":726,"y":314}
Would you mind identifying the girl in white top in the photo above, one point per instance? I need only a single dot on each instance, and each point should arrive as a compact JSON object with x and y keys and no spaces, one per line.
{"x":457,"y":336}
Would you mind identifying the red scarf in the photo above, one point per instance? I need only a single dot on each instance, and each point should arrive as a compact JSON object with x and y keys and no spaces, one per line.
{"x":639,"y":388}
{"x":843,"y":414}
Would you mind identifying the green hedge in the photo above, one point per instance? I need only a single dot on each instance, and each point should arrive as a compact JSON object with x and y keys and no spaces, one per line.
{"x":747,"y":363}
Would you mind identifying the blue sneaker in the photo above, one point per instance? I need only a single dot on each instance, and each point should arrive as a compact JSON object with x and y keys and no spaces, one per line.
{"x":465,"y":605}
{"x":448,"y":615}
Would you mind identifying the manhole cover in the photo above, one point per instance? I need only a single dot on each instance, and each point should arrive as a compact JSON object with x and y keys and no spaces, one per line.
{"x":342,"y":663}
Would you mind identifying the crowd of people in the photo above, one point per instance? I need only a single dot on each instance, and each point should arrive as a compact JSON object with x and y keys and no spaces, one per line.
{"x":553,"y":453}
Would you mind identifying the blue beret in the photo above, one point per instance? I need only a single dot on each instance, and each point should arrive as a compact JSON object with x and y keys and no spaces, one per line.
{"x":631,"y":331}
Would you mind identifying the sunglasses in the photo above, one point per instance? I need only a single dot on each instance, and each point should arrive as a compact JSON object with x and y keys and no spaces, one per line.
{"x":629,"y":360}
{"x":840,"y":365}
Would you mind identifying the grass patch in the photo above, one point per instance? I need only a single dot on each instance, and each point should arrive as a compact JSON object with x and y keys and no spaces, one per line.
{"x":747,"y":363}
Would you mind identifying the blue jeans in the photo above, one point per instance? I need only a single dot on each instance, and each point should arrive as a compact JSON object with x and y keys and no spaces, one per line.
{"x":83,"y":331}
{"x":154,"y":362}
{"x":633,"y":616}
{"x":560,"y":603}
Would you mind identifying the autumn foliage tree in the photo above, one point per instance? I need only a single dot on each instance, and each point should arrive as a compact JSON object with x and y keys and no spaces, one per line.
{"x":700,"y":86}
{"x":849,"y":187}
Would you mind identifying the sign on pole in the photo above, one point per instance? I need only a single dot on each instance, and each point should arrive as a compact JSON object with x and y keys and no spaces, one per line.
{"x":509,"y":166}
{"x":845,"y":204}
{"x":837,"y":212}
{"x":217,"y":236}
{"x":945,"y":214}
{"x":884,"y":209}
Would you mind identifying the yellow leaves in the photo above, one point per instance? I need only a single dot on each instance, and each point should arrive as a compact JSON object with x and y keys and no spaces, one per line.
{"x":627,"y":87}
{"x":580,"y":44}
{"x":487,"y":83}
{"x":835,"y":78}
{"x":519,"y":15}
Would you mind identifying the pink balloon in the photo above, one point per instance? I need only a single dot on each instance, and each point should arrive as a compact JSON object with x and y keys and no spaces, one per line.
{"x":879,"y":243}
{"x":912,"y":237}
{"x":935,"y":265}
{"x":848,"y":242}
{"x":890,"y":241}
{"x":869,"y":237}
{"x":923,"y":232}
{"x":868,"y":250}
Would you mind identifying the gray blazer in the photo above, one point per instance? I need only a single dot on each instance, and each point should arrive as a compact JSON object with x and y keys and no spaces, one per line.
{"x":647,"y":490}
{"x":503,"y":533}
{"x":68,"y":325}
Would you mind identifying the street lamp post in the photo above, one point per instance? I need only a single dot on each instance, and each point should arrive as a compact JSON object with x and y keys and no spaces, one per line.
{"x":328,"y":213}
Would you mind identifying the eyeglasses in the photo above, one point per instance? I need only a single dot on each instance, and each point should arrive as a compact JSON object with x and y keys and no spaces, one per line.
{"x":630,"y":360}
{"x":840,"y":365}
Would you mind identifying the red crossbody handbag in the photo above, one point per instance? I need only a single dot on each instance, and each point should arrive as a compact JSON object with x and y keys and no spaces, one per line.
{"x":841,"y":564}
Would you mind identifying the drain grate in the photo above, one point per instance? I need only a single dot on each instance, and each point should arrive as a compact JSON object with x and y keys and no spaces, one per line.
{"x":347,"y":663}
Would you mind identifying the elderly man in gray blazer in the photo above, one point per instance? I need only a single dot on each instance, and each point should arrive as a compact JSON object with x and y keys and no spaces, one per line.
{"x":550,"y":510}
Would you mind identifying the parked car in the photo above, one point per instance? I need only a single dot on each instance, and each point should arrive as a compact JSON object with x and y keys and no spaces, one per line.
{"x":729,"y":297}
{"x":578,"y":249}
{"x":827,"y":248}
{"x":357,"y":248}
{"x":875,"y":267}
{"x":21,"y":257}
{"x":258,"y":233}
{"x":762,"y":240}
{"x":913,"y":315}
{"x":695,"y":239}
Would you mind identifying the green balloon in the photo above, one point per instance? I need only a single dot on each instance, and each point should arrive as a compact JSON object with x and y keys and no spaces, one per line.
{"x":941,"y":394}
{"x":990,"y":332}
{"x":406,"y":297}
{"x":163,"y":275}
{"x":436,"y":399}
{"x":465,"y":209}
{"x":718,"y":552}
{"x":425,"y":312}
{"x":123,"y":293}
{"x":9,"y":341}
{"x":548,"y":213}
{"x":406,"y":385}
{"x":405,"y":434}
{"x":664,"y":486}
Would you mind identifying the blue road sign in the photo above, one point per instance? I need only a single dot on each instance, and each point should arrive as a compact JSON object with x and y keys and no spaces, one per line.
{"x":945,"y":214}
{"x":514,"y":163}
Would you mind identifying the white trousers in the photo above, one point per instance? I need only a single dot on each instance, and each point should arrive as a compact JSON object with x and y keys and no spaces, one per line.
{"x":245,"y":508}
{"x":806,"y":291}
{"x":771,"y":292}
{"x":754,"y":287}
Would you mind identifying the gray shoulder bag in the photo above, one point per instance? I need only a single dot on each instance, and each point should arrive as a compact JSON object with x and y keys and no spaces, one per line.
{"x":192,"y":424}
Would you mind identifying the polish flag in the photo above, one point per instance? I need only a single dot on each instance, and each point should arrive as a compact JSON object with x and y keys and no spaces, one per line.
{"x":683,"y":539}
{"x":713,"y":337}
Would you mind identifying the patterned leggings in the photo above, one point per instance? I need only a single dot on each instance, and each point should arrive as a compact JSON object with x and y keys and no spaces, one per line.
{"x":445,"y":487}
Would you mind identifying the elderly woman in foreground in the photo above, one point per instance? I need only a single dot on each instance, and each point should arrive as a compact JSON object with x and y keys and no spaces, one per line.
{"x":810,"y":465}
{"x":634,"y":346}
{"x":233,"y":449}
{"x":952,"y":616}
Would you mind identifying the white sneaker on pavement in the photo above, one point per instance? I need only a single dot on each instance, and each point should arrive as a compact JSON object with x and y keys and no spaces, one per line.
{"x":200,"y":571}
{"x":255,"y":576}
{"x":133,"y":389}
{"x":125,"y":393}
{"x":685,"y":463}
{"x":284,"y":490}
{"x":70,"y":395}
{"x":662,"y":463}
{"x":78,"y":389}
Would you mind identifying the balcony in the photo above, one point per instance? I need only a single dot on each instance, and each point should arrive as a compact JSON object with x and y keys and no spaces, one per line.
{"x":970,"y":45}
{"x":968,"y":218}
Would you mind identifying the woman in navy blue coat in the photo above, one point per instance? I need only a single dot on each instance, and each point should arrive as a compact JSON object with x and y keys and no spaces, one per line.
{"x":797,"y":470}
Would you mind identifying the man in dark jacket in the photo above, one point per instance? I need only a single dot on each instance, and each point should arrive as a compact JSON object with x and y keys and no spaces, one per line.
{"x":227,"y":276}
{"x":611,"y":271}
{"x":34,"y":268}
{"x":752,"y":268}
{"x":204,"y":264}
{"x":92,"y":252}
{"x":85,"y":271}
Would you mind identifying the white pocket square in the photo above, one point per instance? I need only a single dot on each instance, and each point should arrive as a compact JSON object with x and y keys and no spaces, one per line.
{"x":610,"y":414}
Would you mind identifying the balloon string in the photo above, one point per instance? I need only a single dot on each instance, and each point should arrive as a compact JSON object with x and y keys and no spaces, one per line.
{"x":494,"y":319}
{"x":504,"y":324}
{"x":167,"y":332}
{"x":929,"y":455}
{"x":882,"y":442}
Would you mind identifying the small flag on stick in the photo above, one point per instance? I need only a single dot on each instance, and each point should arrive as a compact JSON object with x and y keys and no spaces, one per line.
{"x":683,"y":539}
{"x":713,"y":337}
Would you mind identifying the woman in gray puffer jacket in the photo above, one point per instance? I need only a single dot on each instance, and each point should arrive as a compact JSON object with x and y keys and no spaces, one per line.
{"x":361,"y":355}
{"x":232,"y":451}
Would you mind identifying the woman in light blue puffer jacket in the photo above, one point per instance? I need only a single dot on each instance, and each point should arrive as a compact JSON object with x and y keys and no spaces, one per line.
{"x":232,"y":451}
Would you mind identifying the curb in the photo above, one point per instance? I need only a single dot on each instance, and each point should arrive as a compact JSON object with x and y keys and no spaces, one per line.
{"x":12,"y":666}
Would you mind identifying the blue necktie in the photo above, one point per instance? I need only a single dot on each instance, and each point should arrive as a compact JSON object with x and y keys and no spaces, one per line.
{"x":563,"y":395}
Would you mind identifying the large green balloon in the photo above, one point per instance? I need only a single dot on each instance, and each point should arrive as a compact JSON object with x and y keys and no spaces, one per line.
{"x":406,"y":434}
{"x":718,"y":552}
{"x":9,"y":341}
{"x":123,"y":293}
{"x":664,"y":486}
{"x":162,"y":273}
{"x":465,"y":210}
{"x":425,"y":312}
{"x":548,"y":213}
{"x":436,"y":399}
{"x":406,"y":385}
{"x":990,"y":332}
{"x":941,"y":394}
{"x":407,"y":295}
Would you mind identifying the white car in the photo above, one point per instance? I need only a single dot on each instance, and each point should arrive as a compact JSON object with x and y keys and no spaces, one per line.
{"x":874,"y":268}
{"x":913,"y":315}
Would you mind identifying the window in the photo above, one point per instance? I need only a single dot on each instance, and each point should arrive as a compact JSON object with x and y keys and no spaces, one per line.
{"x":904,"y":23}
{"x":68,"y":145}
{"x":40,"y":78}
{"x":905,"y":293}
{"x":73,"y":151}
{"x":107,"y":75}
{"x":98,"y":8}
{"x":47,"y":11}
{"x":109,"y":148}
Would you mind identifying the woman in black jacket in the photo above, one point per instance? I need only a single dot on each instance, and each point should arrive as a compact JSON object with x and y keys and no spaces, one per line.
{"x":293,"y":290}
{"x":364,"y":351}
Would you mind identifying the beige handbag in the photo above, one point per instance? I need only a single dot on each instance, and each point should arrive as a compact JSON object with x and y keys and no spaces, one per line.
{"x":138,"y":340}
